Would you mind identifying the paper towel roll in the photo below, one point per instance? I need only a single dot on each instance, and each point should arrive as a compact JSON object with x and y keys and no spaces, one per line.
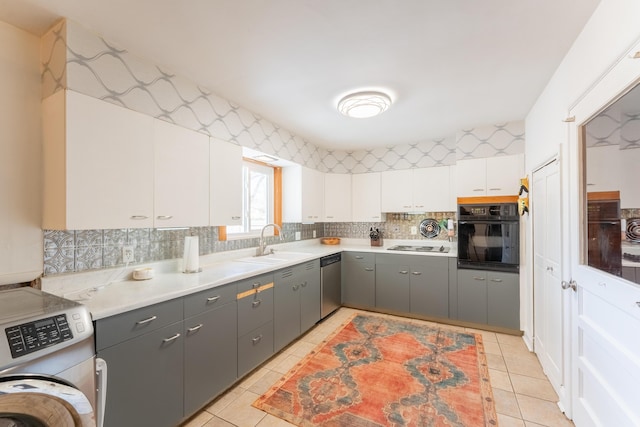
{"x":449,"y":224}
{"x":191,"y":261}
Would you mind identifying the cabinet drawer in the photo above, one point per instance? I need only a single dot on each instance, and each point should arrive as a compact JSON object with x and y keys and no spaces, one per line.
{"x":367,"y":257}
{"x":255,"y":308}
{"x":254,"y":348}
{"x":122,"y":327}
{"x":211,"y":298}
{"x":254,"y":282}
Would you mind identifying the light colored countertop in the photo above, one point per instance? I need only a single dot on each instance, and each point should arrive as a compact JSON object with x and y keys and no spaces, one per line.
{"x":113,"y":291}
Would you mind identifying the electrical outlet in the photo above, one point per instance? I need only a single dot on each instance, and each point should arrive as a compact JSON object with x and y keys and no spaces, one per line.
{"x":127,"y":253}
{"x":314,"y":234}
{"x":414,"y":230}
{"x":298,"y":235}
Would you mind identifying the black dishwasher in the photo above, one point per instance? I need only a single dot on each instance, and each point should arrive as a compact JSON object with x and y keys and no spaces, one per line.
{"x":330,"y":284}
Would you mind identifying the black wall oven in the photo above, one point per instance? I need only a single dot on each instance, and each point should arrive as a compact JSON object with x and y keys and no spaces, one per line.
{"x":489,"y":237}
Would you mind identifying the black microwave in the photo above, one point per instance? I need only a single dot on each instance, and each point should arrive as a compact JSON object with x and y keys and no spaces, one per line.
{"x":489,"y":237}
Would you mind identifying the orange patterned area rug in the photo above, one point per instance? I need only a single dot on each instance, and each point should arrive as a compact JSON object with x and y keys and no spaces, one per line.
{"x":378,"y":371}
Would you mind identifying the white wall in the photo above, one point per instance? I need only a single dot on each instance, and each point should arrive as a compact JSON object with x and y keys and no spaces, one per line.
{"x":610,"y":32}
{"x":20,"y":156}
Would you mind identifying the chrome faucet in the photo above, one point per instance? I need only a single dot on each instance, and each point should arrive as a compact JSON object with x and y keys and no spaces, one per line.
{"x":263,"y":244}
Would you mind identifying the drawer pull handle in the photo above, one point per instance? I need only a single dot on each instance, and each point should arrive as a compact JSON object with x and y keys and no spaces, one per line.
{"x":235,"y":218}
{"x":303,"y":284}
{"x":549,"y":268}
{"x":175,"y":337}
{"x":368,"y":269}
{"x":478,"y":278}
{"x":213,"y":299}
{"x":495,"y":189}
{"x":496,"y":280}
{"x":256,"y":285}
{"x":403,"y":272}
{"x":417,"y":273}
{"x":195,"y":328}
{"x":359,"y":257}
{"x":256,"y":303}
{"x":139,"y":217}
{"x":257,"y":339}
{"x":478,"y":189}
{"x":164,"y":217}
{"x":150,"y":319}
{"x":295,"y":287}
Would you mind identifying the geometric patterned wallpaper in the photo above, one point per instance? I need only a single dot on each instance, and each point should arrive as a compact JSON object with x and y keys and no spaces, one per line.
{"x":612,"y":127}
{"x":77,"y":59}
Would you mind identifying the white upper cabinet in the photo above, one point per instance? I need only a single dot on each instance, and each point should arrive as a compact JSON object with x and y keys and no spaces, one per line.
{"x":396,"y":191}
{"x":603,"y":168}
{"x":365,"y":197}
{"x":226,"y":183}
{"x":493,"y":176}
{"x":416,"y":190}
{"x":98,"y":164}
{"x":302,"y":194}
{"x":181,"y":176}
{"x":337,"y":197}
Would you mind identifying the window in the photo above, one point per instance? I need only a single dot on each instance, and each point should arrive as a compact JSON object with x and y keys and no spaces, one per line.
{"x":257,"y":200}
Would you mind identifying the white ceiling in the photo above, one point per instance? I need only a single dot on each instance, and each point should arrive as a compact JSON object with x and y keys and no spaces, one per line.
{"x":448,"y":65}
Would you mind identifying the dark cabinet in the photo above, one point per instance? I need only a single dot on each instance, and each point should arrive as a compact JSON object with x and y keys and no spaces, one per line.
{"x":359,"y":280}
{"x":296,"y":301}
{"x":210,"y":345}
{"x":145,"y":377}
{"x":255,"y":322}
{"x":488,"y":297}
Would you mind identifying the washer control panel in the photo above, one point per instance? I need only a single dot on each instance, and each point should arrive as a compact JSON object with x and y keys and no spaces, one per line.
{"x":33,"y":336}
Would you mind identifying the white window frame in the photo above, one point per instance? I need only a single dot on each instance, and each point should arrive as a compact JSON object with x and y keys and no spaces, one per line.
{"x":247,"y":167}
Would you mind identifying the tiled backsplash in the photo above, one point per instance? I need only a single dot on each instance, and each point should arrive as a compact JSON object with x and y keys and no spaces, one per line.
{"x":80,"y":250}
{"x":70,"y":251}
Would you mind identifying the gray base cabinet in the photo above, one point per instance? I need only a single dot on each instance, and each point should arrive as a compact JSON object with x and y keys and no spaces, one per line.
{"x":296,"y":301}
{"x":210,"y":345}
{"x":255,"y":322}
{"x":393,"y":283}
{"x":145,"y":377}
{"x":488,"y":297}
{"x":359,"y":279}
{"x":430,"y":286}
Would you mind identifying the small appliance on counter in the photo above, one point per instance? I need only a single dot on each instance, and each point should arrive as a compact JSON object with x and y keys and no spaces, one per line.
{"x":375,"y":236}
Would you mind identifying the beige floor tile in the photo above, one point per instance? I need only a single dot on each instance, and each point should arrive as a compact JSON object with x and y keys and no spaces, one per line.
{"x":264,"y":384}
{"x":531,"y":424}
{"x":198,"y":420}
{"x":218,"y":422}
{"x":509,"y":339}
{"x":271,"y":421}
{"x":495,"y":361}
{"x":507,"y":421}
{"x":286,"y":364}
{"x":542,"y":412}
{"x":487,"y":336}
{"x":223,"y":401}
{"x":252,"y":378}
{"x":492,"y":347}
{"x":500,"y":379}
{"x":241,"y":413}
{"x":515,"y":347}
{"x":524,"y":364}
{"x":534,"y":387}
{"x":506,"y":403}
{"x":301,"y":348}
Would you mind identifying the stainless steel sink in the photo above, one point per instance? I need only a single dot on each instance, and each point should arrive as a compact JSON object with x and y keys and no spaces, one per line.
{"x":275,"y":258}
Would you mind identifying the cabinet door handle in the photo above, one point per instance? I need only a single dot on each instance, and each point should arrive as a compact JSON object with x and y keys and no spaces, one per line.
{"x":295,"y":287}
{"x":359,"y":257}
{"x":139,"y":217}
{"x":368,"y":269}
{"x":419,"y":206}
{"x":496,"y":280}
{"x":417,"y":273}
{"x":495,"y":189}
{"x":377,"y":216}
{"x":213,"y":299}
{"x":403,"y":272}
{"x":256,"y":303}
{"x":257,"y":339}
{"x":164,"y":217}
{"x":195,"y":328}
{"x":478,"y":189}
{"x":549,"y":268}
{"x":478,"y":278}
{"x":256,"y":285}
{"x":235,"y":218}
{"x":150,"y":319}
{"x":303,"y":284}
{"x":175,"y":337}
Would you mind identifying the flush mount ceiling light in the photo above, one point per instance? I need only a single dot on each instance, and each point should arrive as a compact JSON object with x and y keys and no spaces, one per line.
{"x":364,"y":104}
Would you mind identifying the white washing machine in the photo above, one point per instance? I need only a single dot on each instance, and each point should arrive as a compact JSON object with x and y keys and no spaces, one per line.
{"x":48,"y":371}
